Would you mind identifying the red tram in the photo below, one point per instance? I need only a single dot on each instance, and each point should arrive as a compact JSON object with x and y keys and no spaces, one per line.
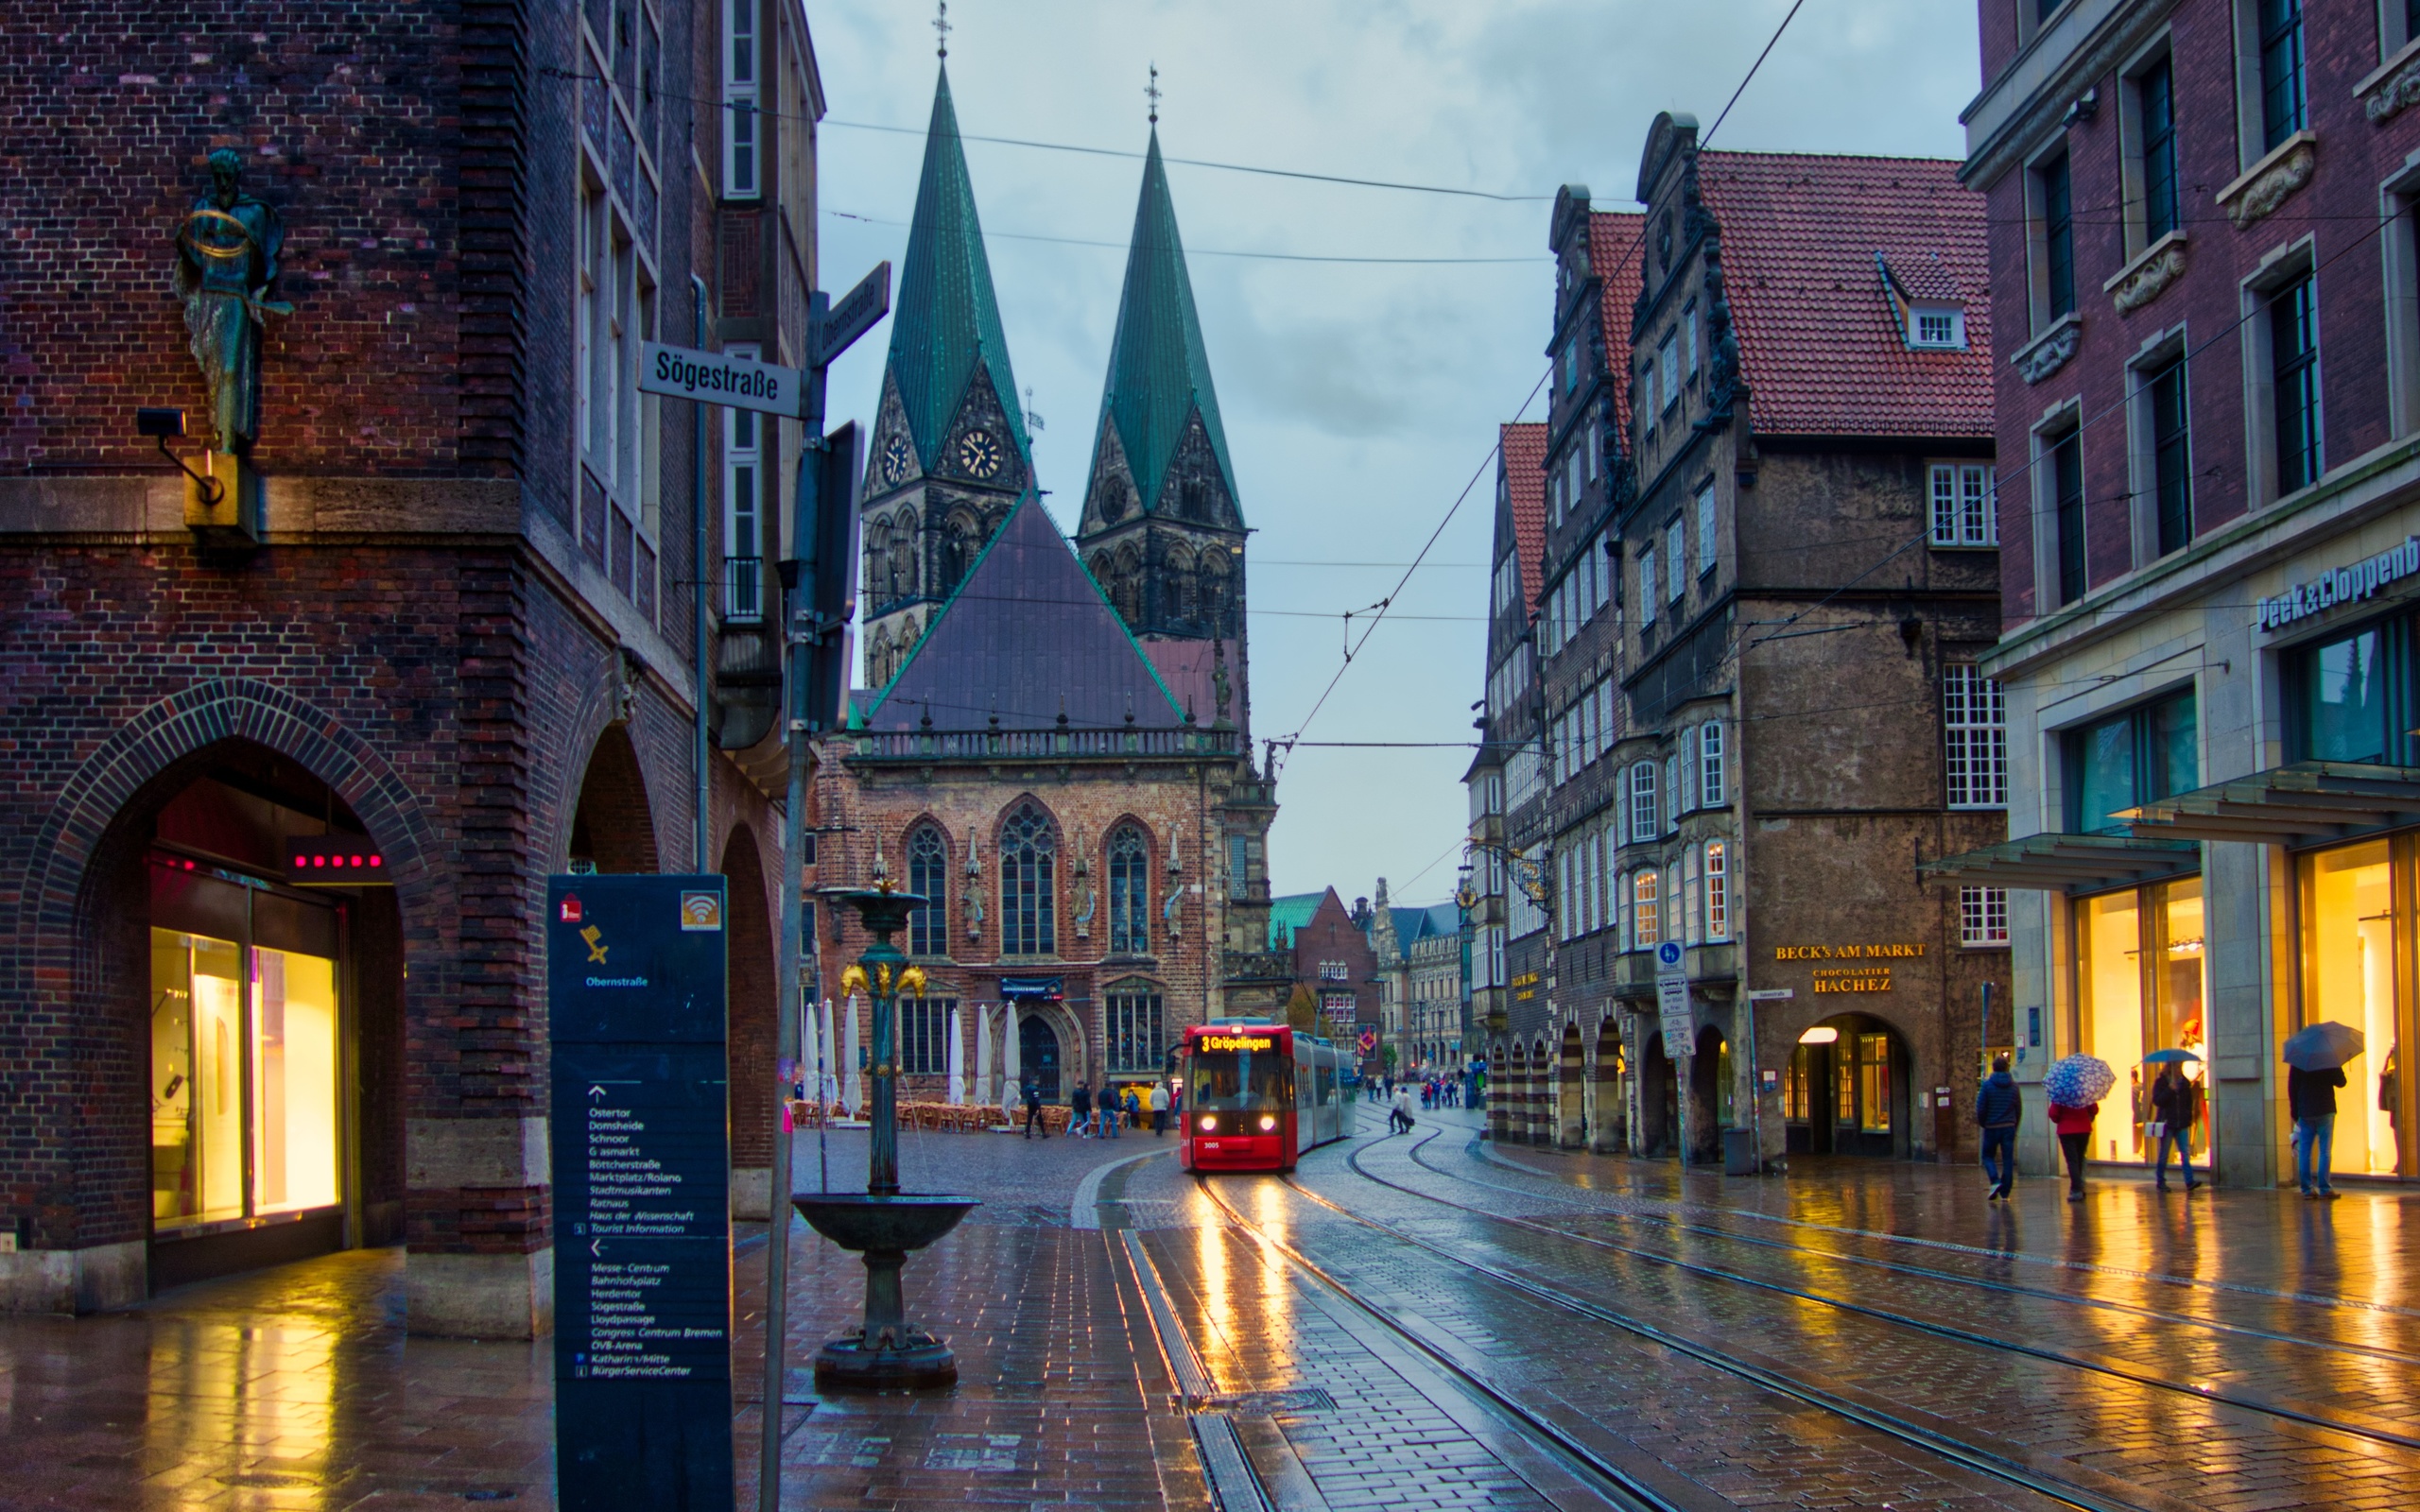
{"x":1257,"y":1094}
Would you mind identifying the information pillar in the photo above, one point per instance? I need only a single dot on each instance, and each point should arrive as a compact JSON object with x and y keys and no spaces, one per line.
{"x":642,"y":1152}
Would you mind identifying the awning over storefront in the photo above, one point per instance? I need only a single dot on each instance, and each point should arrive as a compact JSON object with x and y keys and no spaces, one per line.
{"x":2299,"y":804}
{"x":2066,"y":863}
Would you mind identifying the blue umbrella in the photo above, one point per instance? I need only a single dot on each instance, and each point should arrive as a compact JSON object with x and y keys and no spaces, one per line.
{"x":2164,"y":1057}
{"x":2322,"y":1046}
{"x":2078,"y":1081}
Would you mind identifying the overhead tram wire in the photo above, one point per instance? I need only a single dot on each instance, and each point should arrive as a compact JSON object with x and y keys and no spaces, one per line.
{"x":2084,"y":424}
{"x":1637,"y":239}
{"x":1210,"y":252}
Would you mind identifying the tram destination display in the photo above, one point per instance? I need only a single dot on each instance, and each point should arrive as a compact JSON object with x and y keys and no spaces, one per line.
{"x":636,"y":973}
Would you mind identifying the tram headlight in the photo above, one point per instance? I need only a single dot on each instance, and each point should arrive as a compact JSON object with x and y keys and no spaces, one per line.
{"x":1268,"y":1122}
{"x":1209,"y":1124}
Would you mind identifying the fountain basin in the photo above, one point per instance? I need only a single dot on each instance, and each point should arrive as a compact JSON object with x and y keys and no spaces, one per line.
{"x":888,"y":1350}
{"x":861,"y":1221}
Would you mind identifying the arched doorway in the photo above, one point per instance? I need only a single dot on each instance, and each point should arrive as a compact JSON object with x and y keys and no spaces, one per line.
{"x":1038,"y":1054}
{"x":613,"y":829}
{"x":1659,"y":1100}
{"x":1713,"y":1106}
{"x":754,"y":1018}
{"x":247,"y":933}
{"x":1571,"y":1111}
{"x":1846,"y":1090}
{"x":1610,"y":1129}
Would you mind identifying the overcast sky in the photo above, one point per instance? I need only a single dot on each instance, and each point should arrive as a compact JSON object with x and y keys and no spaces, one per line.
{"x":1359,"y":398}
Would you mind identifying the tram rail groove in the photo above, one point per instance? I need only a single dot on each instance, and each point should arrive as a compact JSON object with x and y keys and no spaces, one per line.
{"x":2350,"y":1304}
{"x":2285,"y":1413}
{"x":1900,"y":1267}
{"x":1617,"y":1485}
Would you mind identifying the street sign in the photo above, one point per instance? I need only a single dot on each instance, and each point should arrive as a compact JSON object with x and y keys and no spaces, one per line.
{"x":635,"y":973}
{"x":853,"y":314}
{"x":1673,"y":1000}
{"x":719,"y":378}
{"x":1771,"y":994}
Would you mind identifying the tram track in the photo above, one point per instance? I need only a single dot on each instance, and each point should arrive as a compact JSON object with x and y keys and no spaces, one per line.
{"x":2153,"y":1315}
{"x":1931,"y":1442}
{"x":2307,"y":1420}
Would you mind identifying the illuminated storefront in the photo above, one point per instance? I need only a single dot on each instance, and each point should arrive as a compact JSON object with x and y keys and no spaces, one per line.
{"x":1845,"y":1090}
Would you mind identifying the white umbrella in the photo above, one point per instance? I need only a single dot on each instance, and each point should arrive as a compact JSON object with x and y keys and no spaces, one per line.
{"x":983,"y":1053}
{"x":807,"y":1050}
{"x":1008,"y":1056}
{"x":852,"y":1092}
{"x":826,"y":1085}
{"x":957,"y":1061}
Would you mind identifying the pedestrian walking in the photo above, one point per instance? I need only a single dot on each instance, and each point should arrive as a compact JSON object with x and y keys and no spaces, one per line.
{"x":2311,"y":1097}
{"x":1999,"y":1108}
{"x":1107,"y":1116}
{"x":1159,"y":1109}
{"x":1399,"y":1120}
{"x":2176,"y":1107}
{"x":1080,"y":1111}
{"x":2075,"y":1138}
{"x":1033,"y":1110}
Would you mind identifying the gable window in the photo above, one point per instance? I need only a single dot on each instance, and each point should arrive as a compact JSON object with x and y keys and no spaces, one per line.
{"x":1962,"y":506}
{"x":1667,"y":357}
{"x":1689,"y":331}
{"x":2066,"y":525}
{"x":1713,"y":779}
{"x":2284,"y":108}
{"x":1982,"y":917}
{"x":2155,"y":106}
{"x":2147,"y":752}
{"x":1130,"y":892}
{"x":1647,"y":594}
{"x":741,"y":151}
{"x":1705,"y":531}
{"x":1648,"y":409}
{"x":2057,"y":239}
{"x":1028,"y":884}
{"x":928,"y":877}
{"x":1937,"y":327}
{"x":1676,"y":560}
{"x":1974,"y":719}
{"x":2172,"y":457}
{"x":2293,"y":350}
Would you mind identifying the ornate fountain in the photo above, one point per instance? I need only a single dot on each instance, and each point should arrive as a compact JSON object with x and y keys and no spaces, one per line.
{"x":886,"y":1224}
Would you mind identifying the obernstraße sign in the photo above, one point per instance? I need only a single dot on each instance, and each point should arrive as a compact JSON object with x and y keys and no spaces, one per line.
{"x":2339,"y":585}
{"x":719,"y":378}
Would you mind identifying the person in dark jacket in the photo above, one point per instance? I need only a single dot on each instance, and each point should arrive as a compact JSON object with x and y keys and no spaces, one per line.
{"x":1033,"y":1110}
{"x":2075,"y":1140}
{"x":1079,"y":1104}
{"x":1998,"y":1108}
{"x":2311,"y":1097}
{"x":2176,"y":1104}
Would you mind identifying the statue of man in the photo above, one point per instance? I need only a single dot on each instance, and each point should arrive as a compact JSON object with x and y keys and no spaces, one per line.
{"x":226,"y":269}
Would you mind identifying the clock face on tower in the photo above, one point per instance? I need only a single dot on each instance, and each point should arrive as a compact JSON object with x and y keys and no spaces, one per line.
{"x":979,"y":453}
{"x":894,"y":460}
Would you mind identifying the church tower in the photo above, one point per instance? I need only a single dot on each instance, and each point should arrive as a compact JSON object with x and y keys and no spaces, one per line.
{"x":949,"y":454}
{"x":1161,"y":530}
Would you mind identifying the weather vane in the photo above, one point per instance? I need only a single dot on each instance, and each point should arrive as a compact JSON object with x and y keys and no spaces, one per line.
{"x":1151,"y":91}
{"x":941,"y":29}
{"x":1032,"y":416}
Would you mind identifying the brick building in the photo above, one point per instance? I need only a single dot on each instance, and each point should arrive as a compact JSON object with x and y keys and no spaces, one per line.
{"x":1764,"y":573}
{"x":1329,"y":956}
{"x":1420,"y":955}
{"x":1055,"y":750}
{"x":2203,"y":270}
{"x":460,"y":652}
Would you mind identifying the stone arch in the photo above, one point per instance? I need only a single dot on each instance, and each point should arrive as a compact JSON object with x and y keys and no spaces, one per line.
{"x":907,"y":574}
{"x":1609,"y":1129}
{"x":1129,"y":578}
{"x":1843,"y":1064}
{"x":1710,"y":1101}
{"x":1541,"y":1091}
{"x":613,"y":825}
{"x":877,"y":561}
{"x":754,"y":1017}
{"x":1571,"y":1104}
{"x":1039,"y":1025}
{"x":961,"y":540}
{"x":1177,"y":585}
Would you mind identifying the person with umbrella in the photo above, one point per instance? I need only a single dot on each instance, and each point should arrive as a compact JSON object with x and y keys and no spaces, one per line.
{"x":2315,"y":1058}
{"x":2075,"y":1085}
{"x":2176,"y":1107}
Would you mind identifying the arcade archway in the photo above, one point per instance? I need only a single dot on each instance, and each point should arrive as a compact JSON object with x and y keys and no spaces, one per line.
{"x":1845,"y":1091}
{"x":1570,"y":1103}
{"x":754,"y":1008}
{"x":613,"y":829}
{"x":1039,"y":1058}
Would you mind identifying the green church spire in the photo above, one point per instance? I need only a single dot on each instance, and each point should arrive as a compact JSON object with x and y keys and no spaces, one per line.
{"x":1159,"y":372}
{"x":947,"y":321}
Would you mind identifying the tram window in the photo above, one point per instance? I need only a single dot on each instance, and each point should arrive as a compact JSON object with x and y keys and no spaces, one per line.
{"x":1240,"y":1081}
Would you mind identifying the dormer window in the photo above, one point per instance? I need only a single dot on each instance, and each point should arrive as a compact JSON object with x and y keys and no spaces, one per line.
{"x":1936,"y":328}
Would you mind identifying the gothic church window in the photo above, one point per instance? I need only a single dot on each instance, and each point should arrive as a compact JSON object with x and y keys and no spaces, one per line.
{"x":1130,"y":892}
{"x":928,"y":877}
{"x":959,"y":549}
{"x":1177,"y":580}
{"x":1029,"y":882}
{"x":1215,"y":587}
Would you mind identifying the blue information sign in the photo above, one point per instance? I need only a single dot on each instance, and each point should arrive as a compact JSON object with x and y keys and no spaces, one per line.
{"x":635,"y":999}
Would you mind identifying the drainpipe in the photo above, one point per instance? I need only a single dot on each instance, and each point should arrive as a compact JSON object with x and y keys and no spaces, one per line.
{"x":699,"y":753}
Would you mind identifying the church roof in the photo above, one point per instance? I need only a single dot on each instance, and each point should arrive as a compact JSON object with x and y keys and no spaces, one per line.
{"x":1158,"y":369}
{"x":1027,"y":636}
{"x":947,"y":320}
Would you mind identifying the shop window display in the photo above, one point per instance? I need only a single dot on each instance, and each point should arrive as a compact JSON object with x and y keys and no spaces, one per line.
{"x":2140,"y":989}
{"x":2353,"y":912}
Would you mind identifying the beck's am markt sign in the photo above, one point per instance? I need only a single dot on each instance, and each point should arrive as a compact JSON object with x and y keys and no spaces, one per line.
{"x":1860,"y":968}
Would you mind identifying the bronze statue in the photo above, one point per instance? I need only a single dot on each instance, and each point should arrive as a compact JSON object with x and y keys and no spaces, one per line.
{"x":227,"y":252}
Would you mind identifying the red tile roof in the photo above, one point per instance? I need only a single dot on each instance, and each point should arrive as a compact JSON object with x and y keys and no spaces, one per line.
{"x":1613,"y":252}
{"x":1822,"y":345}
{"x":1525,"y":483}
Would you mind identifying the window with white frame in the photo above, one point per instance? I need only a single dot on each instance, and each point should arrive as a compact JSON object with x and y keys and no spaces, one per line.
{"x":1676,"y":559}
{"x":1648,"y":408}
{"x":1595,"y":865}
{"x":1718,"y":891}
{"x":1937,"y":327}
{"x":743,"y":509}
{"x":1713,"y":785}
{"x":1982,"y":917}
{"x":1974,"y":720}
{"x":1689,"y":338}
{"x":743,"y":146}
{"x":1672,"y":792}
{"x":1668,"y":359}
{"x":1685,"y":791}
{"x":1705,"y":531}
{"x":1685,"y":926}
{"x":1646,"y":588}
{"x":1643,"y":825}
{"x":1644,"y":913}
{"x":1962,"y":506}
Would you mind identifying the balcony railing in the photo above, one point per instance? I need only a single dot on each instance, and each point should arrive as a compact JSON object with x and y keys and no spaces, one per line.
{"x":743,"y":590}
{"x":982,"y":744}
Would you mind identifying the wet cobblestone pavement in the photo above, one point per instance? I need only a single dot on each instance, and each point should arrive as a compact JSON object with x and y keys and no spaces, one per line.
{"x":1416,"y":1323}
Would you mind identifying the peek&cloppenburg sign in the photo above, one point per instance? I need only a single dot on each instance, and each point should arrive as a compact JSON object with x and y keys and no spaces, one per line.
{"x":2339,"y":585}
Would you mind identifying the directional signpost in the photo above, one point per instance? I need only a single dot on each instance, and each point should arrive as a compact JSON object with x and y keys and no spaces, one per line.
{"x":1672,"y":999}
{"x":635,"y":972}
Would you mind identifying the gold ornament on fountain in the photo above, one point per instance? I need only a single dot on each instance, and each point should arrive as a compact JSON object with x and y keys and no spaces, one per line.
{"x":853,"y":980}
{"x":882,"y":979}
{"x":911,"y":981}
